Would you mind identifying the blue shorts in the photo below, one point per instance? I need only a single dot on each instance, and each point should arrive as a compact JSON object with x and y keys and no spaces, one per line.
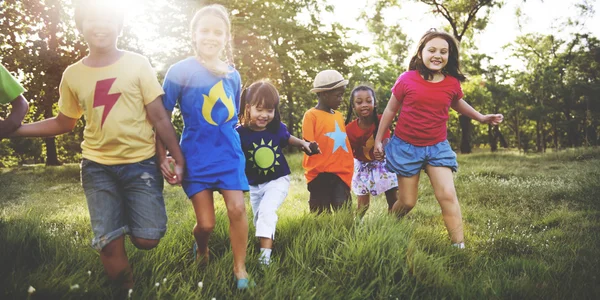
{"x":124,"y":199}
{"x":407,"y":160}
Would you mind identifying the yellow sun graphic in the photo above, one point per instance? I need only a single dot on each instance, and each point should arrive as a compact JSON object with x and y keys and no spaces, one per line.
{"x":264,"y":156}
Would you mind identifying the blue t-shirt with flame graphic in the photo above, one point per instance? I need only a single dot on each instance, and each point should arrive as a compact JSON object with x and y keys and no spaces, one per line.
{"x":264,"y":158}
{"x":209,"y":106}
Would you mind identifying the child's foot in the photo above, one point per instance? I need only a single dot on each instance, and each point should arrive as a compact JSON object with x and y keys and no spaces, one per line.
{"x":244,"y":283}
{"x":201,"y":258}
{"x":460,"y":245}
{"x":265,"y":256}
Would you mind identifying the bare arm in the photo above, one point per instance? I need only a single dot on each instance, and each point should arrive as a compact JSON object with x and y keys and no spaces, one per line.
{"x":462,"y":107}
{"x":166,"y":134}
{"x":46,"y":128}
{"x":384,"y":124}
{"x":19,"y":108}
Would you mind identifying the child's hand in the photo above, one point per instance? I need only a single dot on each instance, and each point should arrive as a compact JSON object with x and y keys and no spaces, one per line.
{"x":310,"y":148}
{"x":493,"y":119}
{"x":179,"y":169}
{"x":378,"y":150}
{"x":167,"y":168}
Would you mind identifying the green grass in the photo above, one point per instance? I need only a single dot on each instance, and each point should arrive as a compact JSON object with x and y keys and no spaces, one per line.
{"x":532,"y":226}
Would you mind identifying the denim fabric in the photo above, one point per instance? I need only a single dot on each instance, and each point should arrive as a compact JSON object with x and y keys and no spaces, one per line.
{"x":124,"y":199}
{"x":407,"y":160}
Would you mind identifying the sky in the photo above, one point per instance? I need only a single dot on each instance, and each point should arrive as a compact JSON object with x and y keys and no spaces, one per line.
{"x":541,"y":16}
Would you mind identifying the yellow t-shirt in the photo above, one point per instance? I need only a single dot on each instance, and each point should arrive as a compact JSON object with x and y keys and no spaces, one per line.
{"x":113,"y":100}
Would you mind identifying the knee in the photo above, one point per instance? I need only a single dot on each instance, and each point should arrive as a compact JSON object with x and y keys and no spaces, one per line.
{"x":205,"y":227}
{"x":144,"y":244}
{"x":447,"y":196}
{"x":237,"y":210}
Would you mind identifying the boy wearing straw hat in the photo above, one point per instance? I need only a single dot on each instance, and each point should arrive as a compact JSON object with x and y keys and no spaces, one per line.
{"x":329,"y":174}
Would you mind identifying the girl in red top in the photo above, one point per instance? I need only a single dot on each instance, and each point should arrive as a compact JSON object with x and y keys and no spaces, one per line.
{"x":426,"y":92}
{"x":370,"y":176}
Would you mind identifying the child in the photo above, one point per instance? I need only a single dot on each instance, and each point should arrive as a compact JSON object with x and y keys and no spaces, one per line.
{"x":329,"y":174}
{"x":370,"y":176}
{"x":207,"y":90}
{"x":426,"y":92}
{"x":263,"y":137}
{"x":11,"y":92}
{"x":119,"y":95}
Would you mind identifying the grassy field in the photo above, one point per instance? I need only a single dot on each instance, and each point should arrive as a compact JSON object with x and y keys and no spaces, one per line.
{"x":532,"y":225}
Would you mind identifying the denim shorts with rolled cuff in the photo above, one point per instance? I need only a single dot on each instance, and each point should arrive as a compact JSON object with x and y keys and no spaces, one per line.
{"x":408,"y":160}
{"x":124,"y":199}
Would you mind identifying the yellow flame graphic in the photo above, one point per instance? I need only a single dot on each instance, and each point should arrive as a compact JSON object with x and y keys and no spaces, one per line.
{"x":217,"y":92}
{"x":368,"y":146}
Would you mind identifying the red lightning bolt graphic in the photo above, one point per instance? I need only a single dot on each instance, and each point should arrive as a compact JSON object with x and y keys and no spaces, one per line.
{"x":102,"y":98}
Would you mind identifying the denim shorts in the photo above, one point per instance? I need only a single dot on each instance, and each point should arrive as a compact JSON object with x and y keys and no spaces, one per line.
{"x":124,"y":199}
{"x":407,"y":160}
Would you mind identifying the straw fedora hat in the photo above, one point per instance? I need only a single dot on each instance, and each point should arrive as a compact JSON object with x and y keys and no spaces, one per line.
{"x":328,"y":80}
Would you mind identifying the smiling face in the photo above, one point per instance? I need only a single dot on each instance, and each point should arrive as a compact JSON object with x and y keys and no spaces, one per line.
{"x":260,"y":117}
{"x":363,"y":103}
{"x":100,"y":29}
{"x":435,"y":54}
{"x":210,"y":36}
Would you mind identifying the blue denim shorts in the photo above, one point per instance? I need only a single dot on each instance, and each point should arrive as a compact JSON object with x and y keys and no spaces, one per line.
{"x":124,"y":199}
{"x":407,"y":160}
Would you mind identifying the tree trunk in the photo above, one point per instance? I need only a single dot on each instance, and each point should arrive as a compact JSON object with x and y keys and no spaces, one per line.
{"x":538,"y":136}
{"x":492,"y":138}
{"x":500,"y":136}
{"x":466,"y":128}
{"x":52,"y":23}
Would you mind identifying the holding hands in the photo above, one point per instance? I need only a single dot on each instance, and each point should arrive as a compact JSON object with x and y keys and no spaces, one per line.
{"x":310,"y":148}
{"x":378,"y":151}
{"x":171,"y":170}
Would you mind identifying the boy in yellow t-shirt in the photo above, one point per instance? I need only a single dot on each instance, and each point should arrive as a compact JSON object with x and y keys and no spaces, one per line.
{"x":329,"y":174}
{"x":119,"y":95}
{"x":11,"y":92}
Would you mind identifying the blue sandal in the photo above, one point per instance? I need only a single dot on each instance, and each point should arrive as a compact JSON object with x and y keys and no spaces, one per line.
{"x":244,"y":283}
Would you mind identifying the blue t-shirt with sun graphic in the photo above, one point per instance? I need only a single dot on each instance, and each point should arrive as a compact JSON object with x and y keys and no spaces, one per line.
{"x":210,"y":144}
{"x":264,"y":158}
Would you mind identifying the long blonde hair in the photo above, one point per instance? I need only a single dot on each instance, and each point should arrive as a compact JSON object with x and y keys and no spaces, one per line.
{"x":221,"y":12}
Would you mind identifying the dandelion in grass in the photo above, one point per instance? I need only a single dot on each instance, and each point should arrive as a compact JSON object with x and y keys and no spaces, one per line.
{"x":30,"y":290}
{"x":89,"y":273}
{"x":129,"y":293}
{"x":164,"y":280}
{"x":157,"y":284}
{"x":200,"y":284}
{"x":75,"y":287}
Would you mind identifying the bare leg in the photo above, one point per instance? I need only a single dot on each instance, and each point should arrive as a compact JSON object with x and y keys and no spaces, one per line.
{"x":391,"y":195}
{"x":238,"y":230}
{"x":204,"y":208}
{"x":116,"y":265}
{"x":445,"y":192}
{"x":266,"y":243}
{"x":363,"y":204}
{"x":407,"y":197}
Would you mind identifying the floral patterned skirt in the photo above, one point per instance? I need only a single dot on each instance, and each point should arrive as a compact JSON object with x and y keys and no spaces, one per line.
{"x":371,"y":178}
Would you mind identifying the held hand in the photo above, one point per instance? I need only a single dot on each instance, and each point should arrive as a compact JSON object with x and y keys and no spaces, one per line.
{"x":378,"y":151}
{"x":493,"y":119}
{"x":7,"y":127}
{"x":179,"y":169}
{"x":311,"y":148}
{"x":167,"y":169}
